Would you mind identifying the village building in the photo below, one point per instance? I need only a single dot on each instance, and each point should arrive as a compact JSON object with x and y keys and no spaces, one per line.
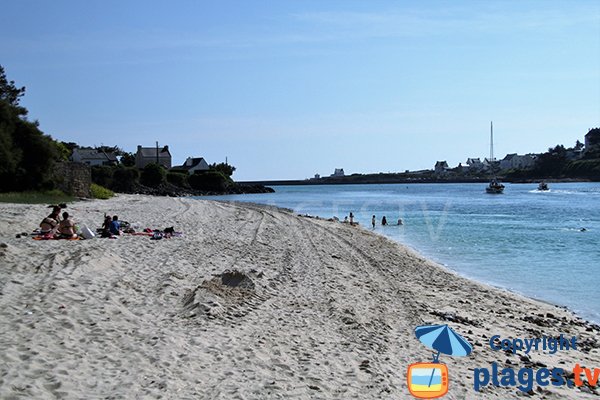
{"x":93,"y":157}
{"x":153,"y":155}
{"x":338,"y":172}
{"x":592,"y":138}
{"x":515,"y":161}
{"x":193,"y":164}
{"x":441,"y":167}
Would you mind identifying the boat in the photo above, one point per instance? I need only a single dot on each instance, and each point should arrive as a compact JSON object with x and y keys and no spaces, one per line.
{"x":495,"y":187}
{"x":543,"y":186}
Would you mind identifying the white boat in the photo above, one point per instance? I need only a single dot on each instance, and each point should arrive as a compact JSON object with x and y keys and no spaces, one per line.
{"x":495,"y":187}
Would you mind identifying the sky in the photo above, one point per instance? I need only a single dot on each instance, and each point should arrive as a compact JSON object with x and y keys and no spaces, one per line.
{"x":286,"y":89}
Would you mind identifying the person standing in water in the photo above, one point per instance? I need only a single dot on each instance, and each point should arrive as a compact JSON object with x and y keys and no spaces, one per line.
{"x":373,"y":221}
{"x":351,"y":218}
{"x":384,"y":221}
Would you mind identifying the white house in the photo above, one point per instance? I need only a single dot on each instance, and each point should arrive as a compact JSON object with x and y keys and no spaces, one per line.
{"x":193,"y":164}
{"x":153,"y":155}
{"x":93,"y":157}
{"x":338,"y":172}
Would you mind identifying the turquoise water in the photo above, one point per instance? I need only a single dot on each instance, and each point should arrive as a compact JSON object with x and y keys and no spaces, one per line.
{"x":524,"y":240}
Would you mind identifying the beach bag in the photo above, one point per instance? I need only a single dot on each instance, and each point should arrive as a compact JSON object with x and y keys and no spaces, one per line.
{"x":87,"y":233}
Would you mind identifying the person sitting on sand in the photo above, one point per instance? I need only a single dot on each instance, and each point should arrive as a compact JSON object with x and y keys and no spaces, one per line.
{"x":115,"y":226}
{"x":66,"y":228}
{"x":50,"y":223}
{"x":383,"y":221}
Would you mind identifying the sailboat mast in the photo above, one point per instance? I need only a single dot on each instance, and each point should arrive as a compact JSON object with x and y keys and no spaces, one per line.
{"x":492,"y":141}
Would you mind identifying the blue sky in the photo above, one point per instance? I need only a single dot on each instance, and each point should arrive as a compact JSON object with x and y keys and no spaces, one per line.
{"x":287,"y":89}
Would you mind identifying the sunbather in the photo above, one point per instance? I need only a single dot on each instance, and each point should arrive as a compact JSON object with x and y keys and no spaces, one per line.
{"x":66,"y":228}
{"x":50,"y":223}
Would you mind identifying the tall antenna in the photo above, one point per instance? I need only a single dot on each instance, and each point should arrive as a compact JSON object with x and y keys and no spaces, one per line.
{"x":492,"y":141}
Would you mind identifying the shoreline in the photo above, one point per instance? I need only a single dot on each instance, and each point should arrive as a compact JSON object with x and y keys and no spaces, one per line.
{"x":320,"y":309}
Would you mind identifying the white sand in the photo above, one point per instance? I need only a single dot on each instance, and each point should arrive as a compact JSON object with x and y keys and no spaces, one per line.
{"x":328,"y":310}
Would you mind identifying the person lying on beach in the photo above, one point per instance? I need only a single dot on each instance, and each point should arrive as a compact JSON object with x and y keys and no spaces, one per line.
{"x":66,"y":227}
{"x":50,"y":223}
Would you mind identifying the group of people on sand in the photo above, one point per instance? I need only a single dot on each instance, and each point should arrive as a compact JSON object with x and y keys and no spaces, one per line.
{"x":61,"y":226}
{"x":111,"y":226}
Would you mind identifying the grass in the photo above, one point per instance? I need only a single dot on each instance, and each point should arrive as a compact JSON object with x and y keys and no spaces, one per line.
{"x":45,"y":197}
{"x":100,"y":192}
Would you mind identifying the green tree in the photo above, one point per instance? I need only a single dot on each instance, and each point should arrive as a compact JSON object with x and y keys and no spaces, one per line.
{"x":552,"y":163}
{"x":128,"y":159}
{"x":210,"y":181}
{"x":153,"y":175}
{"x":223,"y":168}
{"x":11,"y":94}
{"x":26,"y":155}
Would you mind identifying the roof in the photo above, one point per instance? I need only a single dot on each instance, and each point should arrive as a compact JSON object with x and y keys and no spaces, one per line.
{"x":151,"y":152}
{"x":93,"y":154}
{"x":186,"y":167}
{"x":195,"y":161}
{"x":592,"y":132}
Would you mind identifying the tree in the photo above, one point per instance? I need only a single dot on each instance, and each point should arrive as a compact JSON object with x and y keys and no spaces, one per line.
{"x":26,"y":154}
{"x":10,"y":93}
{"x":128,"y":159}
{"x":223,"y":168}
{"x":153,"y":175}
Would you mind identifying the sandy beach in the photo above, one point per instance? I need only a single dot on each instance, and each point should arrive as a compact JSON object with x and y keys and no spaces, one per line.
{"x":313,"y":310}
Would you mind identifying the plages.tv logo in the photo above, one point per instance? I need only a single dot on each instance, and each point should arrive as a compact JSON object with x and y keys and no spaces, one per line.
{"x":430,"y":380}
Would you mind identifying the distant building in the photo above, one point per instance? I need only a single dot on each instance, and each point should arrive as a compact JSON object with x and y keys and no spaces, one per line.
{"x":93,"y":157}
{"x":474,"y":164}
{"x":574,"y":154}
{"x":515,"y":161}
{"x":592,"y":138}
{"x":317,"y":176}
{"x":338,"y":172}
{"x":191,"y":165}
{"x":153,"y":155}
{"x":441,"y":167}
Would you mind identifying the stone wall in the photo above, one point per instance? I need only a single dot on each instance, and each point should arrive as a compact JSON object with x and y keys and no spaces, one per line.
{"x":73,"y":178}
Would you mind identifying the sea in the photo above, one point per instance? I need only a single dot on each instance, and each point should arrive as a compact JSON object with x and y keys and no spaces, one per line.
{"x":544,"y":245}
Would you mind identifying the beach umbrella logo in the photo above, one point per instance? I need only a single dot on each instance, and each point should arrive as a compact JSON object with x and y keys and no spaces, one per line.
{"x":430,"y":380}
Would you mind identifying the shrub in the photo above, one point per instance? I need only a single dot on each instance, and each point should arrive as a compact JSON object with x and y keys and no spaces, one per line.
{"x":210,"y":181}
{"x":125,"y":179}
{"x":177,"y":178}
{"x":100,"y":192}
{"x":153,"y":175}
{"x":102,"y":175}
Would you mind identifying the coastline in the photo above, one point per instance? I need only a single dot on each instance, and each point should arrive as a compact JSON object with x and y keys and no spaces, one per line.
{"x":324,"y":309}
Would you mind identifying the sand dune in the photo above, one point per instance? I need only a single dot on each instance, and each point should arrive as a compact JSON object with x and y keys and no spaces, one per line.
{"x":251,"y":303}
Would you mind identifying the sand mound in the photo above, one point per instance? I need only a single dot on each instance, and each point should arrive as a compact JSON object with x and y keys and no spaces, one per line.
{"x":230,"y":293}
